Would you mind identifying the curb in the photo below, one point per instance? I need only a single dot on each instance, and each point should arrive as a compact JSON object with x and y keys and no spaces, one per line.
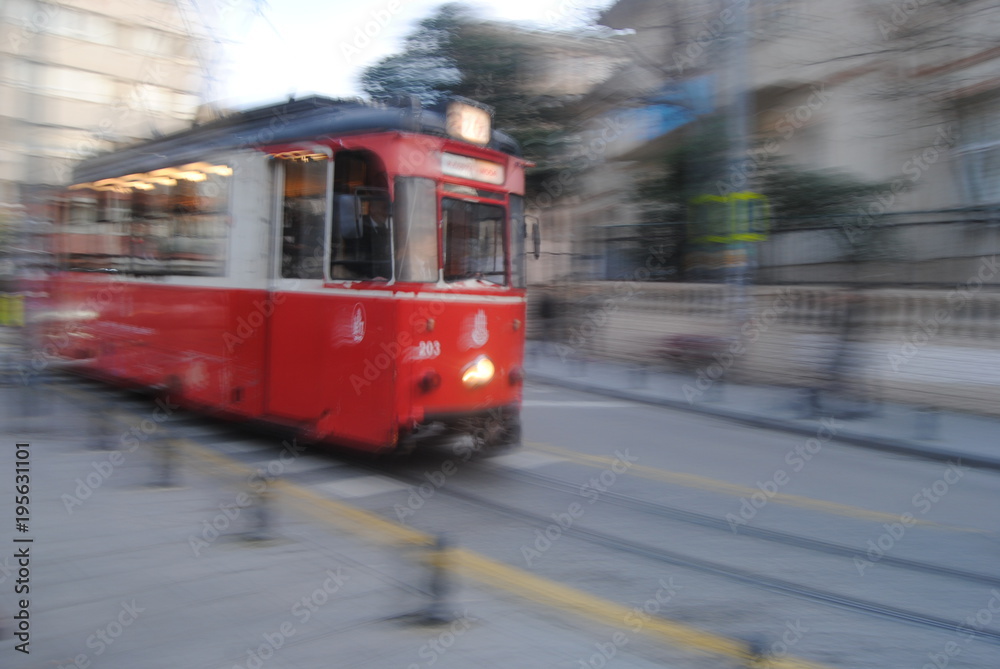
{"x":886,"y":444}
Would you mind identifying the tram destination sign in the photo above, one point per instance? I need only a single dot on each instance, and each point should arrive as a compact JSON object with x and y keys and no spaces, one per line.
{"x":454,"y":165}
{"x":468,"y":122}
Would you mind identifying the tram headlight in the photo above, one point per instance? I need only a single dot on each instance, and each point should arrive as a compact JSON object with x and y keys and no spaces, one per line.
{"x":478,"y":373}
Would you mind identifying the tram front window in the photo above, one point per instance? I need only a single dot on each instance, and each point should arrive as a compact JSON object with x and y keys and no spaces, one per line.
{"x":415,"y":230}
{"x":473,"y":241}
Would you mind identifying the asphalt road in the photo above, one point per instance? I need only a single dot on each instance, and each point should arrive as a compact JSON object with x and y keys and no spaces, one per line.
{"x":815,"y":550}
{"x":913,"y":541}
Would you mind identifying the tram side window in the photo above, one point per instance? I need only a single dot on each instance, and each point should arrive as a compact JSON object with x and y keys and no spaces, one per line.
{"x":361,"y":239}
{"x":77,"y":241}
{"x":473,"y":241}
{"x":150,"y":230}
{"x":304,"y":219}
{"x":112,"y":229}
{"x":199,"y":228}
{"x":170,"y":221}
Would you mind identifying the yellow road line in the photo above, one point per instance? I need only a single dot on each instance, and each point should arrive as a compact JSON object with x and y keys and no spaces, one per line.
{"x":714,"y":485}
{"x":497,"y":574}
{"x":345,"y":517}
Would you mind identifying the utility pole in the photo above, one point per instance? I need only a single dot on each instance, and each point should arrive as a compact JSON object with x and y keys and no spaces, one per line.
{"x":738,"y":257}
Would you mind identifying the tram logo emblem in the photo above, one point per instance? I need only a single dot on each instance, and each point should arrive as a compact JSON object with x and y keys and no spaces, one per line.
{"x":358,"y":324}
{"x":476,"y":333}
{"x":480,"y":335}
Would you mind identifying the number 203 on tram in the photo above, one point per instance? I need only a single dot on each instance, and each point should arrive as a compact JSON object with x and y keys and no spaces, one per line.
{"x":352,"y":272}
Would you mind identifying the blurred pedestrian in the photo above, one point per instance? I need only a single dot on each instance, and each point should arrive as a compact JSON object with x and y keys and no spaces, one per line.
{"x":842,"y":375}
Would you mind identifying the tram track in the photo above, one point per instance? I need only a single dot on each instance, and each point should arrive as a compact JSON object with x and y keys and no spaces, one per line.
{"x":194,"y":431}
{"x":743,"y":576}
{"x":765,"y":534}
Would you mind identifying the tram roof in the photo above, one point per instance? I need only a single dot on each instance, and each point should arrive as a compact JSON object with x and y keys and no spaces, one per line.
{"x":282,"y":123}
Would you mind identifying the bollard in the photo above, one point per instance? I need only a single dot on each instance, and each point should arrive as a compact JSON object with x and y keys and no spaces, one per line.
{"x":165,"y":450}
{"x":101,"y":424}
{"x":164,"y":463}
{"x":29,"y":397}
{"x":437,"y":611}
{"x":810,"y":402}
{"x":756,"y":653}
{"x":260,"y":529}
{"x":10,"y":385}
{"x":927,"y":424}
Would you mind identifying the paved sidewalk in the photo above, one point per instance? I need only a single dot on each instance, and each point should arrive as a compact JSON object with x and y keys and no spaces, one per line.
{"x":918,"y":431}
{"x":128,"y":573}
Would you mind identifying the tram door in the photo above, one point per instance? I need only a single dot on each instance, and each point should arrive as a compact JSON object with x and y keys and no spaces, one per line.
{"x":330,"y":360}
{"x":295,"y":354}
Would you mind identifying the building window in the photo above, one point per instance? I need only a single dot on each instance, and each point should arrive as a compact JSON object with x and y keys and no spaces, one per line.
{"x":153,"y":42}
{"x":978,"y":150}
{"x":78,"y":84}
{"x":82,"y":26}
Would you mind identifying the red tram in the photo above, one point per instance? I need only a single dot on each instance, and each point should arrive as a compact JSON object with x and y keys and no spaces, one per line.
{"x":353,"y":272}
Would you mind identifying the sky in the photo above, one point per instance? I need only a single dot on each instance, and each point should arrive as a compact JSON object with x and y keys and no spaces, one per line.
{"x":300,"y":47}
